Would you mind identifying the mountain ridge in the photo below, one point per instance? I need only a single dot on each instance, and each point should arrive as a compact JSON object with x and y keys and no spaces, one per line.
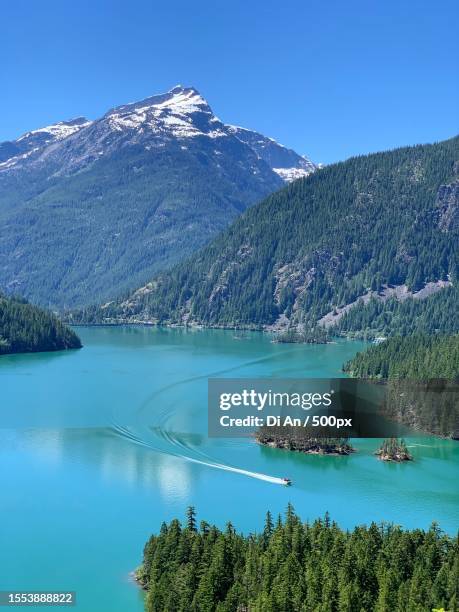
{"x":352,"y":229}
{"x":168,"y":112}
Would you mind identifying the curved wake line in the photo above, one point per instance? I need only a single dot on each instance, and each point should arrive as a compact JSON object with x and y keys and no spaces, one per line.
{"x":126,"y":433}
{"x":162,"y":416}
{"x":425,"y":445}
{"x":214,"y":374}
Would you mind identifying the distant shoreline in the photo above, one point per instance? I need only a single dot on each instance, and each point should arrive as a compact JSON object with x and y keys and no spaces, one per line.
{"x":260,"y":329}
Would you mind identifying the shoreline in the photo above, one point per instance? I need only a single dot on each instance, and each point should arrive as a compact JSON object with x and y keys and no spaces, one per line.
{"x":264,"y":329}
{"x":312,"y":451}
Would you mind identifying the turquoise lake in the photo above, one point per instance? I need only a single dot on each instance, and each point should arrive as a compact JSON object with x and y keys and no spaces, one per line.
{"x":99,"y":446}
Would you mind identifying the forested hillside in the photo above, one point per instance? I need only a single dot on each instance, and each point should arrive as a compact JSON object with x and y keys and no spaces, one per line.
{"x":416,"y":357}
{"x":27,"y":329}
{"x":372,"y":222}
{"x":422,"y":374}
{"x":299,"y":567}
{"x":438,"y":313}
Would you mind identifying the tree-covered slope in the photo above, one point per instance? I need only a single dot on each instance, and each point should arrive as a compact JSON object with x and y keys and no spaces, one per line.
{"x":422,"y":374}
{"x":437,"y":313}
{"x":291,"y":566}
{"x":89,"y":209}
{"x":27,"y":329}
{"x":386,"y":219}
{"x":415,"y":357}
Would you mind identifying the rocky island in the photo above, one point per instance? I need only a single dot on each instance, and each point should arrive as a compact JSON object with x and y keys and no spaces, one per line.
{"x":393,"y":449}
{"x":301,"y":440}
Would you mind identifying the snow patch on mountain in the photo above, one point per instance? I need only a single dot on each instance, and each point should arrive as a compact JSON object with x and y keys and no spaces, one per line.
{"x":17,"y":158}
{"x":292,"y":174}
{"x":35,"y":141}
{"x":58,"y":131}
{"x":180,"y":113}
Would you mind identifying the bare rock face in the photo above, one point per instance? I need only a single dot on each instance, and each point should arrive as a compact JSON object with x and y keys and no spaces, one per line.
{"x":448,"y":204}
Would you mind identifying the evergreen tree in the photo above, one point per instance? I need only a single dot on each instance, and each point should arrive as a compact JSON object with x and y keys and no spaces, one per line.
{"x":191,"y":518}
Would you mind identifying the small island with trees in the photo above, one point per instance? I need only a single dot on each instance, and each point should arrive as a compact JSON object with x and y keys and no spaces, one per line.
{"x":301,"y":440}
{"x":314,"y":335}
{"x":394,"y":449}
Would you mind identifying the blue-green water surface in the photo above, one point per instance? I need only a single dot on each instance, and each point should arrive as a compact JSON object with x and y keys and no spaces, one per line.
{"x":98,"y":446}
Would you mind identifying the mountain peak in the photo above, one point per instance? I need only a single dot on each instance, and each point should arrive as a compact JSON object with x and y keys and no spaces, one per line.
{"x":179,"y":113}
{"x":76,"y":121}
{"x":138,"y":189}
{"x":183,"y":89}
{"x":183,"y":99}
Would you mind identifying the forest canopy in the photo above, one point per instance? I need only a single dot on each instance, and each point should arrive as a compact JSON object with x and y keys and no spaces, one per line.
{"x":418,"y":357}
{"x":292,"y":566}
{"x":423,"y":376}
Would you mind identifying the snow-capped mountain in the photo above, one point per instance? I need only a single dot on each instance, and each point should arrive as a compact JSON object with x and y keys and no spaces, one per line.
{"x":92,"y":208}
{"x":180,"y":114}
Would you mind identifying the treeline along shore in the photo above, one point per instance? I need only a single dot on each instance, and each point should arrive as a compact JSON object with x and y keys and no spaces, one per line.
{"x":25,"y":328}
{"x":300,"y":439}
{"x":422,"y":374}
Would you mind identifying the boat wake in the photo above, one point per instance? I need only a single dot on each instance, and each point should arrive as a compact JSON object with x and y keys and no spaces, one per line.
{"x":424,"y":445}
{"x":206,"y":461}
{"x":154,"y":421}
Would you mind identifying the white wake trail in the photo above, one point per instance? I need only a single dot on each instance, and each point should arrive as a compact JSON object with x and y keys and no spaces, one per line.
{"x":134,"y":437}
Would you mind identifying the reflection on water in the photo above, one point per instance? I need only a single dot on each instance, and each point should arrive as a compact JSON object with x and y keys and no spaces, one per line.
{"x":113,"y":459}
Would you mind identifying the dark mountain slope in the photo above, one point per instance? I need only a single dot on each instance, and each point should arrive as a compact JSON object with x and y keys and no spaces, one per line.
{"x":349,"y":229}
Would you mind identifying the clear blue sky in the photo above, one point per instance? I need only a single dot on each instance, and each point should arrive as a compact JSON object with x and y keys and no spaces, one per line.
{"x":330,"y":79}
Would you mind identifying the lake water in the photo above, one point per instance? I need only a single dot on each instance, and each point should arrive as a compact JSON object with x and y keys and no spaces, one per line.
{"x":98,"y":446}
